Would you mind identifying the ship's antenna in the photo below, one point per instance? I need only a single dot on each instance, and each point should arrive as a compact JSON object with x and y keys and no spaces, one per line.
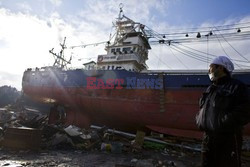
{"x":121,"y":11}
{"x":59,"y":58}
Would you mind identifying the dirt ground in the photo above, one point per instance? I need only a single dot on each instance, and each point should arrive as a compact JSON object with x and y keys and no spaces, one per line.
{"x":75,"y":158}
{"x":96,"y":158}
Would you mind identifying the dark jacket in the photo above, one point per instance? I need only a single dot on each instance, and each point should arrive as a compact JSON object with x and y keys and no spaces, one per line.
{"x":223,"y":107}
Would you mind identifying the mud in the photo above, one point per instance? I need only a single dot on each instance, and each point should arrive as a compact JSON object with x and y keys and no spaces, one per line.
{"x":69,"y":158}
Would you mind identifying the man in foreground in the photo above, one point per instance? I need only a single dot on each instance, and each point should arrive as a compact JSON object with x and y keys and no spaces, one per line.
{"x":223,"y":113}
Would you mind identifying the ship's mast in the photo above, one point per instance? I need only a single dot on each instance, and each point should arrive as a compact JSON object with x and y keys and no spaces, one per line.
{"x":121,"y":11}
{"x":59,"y":58}
{"x":129,"y":50}
{"x":124,"y":25}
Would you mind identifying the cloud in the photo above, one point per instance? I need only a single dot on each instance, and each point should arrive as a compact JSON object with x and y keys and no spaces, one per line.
{"x":26,"y":40}
{"x":98,"y":12}
{"x":24,"y":6}
{"x":10,"y":79}
{"x":56,"y":2}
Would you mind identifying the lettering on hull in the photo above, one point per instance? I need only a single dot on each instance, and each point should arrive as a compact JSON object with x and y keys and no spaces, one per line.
{"x":128,"y":83}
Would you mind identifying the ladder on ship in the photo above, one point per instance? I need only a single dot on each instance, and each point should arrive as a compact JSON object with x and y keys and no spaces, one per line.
{"x":162,"y":94}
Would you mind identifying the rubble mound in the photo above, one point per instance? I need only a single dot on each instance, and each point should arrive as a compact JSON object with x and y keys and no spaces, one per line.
{"x":8,"y":95}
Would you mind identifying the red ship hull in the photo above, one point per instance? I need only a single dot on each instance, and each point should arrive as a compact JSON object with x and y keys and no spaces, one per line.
{"x":170,"y":111}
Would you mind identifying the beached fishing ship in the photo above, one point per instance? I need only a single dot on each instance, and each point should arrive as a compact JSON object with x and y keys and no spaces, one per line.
{"x":118,"y":91}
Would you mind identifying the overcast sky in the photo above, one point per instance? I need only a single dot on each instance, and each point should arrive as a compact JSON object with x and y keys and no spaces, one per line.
{"x":30,"y":28}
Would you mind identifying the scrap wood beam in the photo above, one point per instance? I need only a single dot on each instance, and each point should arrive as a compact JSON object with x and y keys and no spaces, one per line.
{"x":150,"y":139}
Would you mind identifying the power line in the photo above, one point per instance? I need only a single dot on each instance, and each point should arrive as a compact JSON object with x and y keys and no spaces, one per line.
{"x":207,"y":29}
{"x":234,"y":48}
{"x":178,"y":58}
{"x":200,"y":56}
{"x":91,"y":44}
{"x":211,"y":27}
{"x":162,"y":61}
{"x":188,"y":55}
{"x":212,"y":38}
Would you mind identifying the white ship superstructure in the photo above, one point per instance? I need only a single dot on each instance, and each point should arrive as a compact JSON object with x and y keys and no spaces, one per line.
{"x":129,"y":50}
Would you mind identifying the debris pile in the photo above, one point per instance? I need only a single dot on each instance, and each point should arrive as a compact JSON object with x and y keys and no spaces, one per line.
{"x":23,"y":128}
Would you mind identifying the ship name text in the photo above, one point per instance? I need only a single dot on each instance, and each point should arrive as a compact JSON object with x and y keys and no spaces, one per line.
{"x":128,"y":83}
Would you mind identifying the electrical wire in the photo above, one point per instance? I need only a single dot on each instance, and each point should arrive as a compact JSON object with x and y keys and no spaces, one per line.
{"x":208,"y":29}
{"x":211,"y":27}
{"x":209,"y":54}
{"x":176,"y":42}
{"x":161,"y":61}
{"x":178,"y":58}
{"x":234,"y":48}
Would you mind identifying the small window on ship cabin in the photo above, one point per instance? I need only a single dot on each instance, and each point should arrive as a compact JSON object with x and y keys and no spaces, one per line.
{"x":118,"y":49}
{"x":118,"y":67}
{"x":126,"y":50}
{"x":113,"y":50}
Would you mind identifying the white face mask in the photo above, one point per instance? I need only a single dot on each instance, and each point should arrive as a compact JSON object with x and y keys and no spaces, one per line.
{"x":212,"y":77}
{"x":215,"y":75}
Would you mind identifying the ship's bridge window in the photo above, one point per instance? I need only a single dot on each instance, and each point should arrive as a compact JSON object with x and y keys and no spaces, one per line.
{"x":118,"y":68}
{"x":126,"y":50}
{"x":112,"y":50}
{"x":118,"y":49}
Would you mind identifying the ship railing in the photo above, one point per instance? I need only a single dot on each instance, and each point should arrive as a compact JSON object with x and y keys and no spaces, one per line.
{"x":176,"y":72}
{"x":121,"y":57}
{"x":193,"y":71}
{"x":35,"y":69}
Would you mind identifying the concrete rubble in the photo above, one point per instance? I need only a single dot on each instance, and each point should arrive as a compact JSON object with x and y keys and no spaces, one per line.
{"x":26,"y":139}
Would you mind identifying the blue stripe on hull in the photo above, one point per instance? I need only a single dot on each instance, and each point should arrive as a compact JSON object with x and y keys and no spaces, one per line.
{"x":78,"y":78}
